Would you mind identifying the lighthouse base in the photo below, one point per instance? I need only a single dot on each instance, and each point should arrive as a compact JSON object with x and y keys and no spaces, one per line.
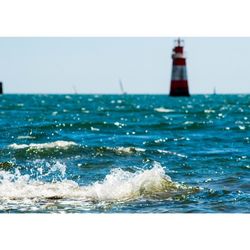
{"x":179,"y":88}
{"x":179,"y":93}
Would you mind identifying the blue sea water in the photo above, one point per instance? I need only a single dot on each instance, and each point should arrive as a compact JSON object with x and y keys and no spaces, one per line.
{"x":124,"y":154}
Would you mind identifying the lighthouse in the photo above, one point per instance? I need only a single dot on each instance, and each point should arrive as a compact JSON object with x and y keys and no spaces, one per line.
{"x":179,"y":82}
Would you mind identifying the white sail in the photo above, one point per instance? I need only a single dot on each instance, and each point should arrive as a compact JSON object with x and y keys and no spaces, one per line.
{"x":121,"y":87}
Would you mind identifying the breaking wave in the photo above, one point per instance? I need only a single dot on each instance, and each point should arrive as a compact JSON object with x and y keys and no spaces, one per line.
{"x":126,"y":150}
{"x":117,"y":186}
{"x":48,"y":145}
{"x":70,"y":144}
{"x":43,"y":150}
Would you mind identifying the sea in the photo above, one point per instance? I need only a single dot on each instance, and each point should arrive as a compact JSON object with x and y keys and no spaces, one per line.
{"x":124,"y":154}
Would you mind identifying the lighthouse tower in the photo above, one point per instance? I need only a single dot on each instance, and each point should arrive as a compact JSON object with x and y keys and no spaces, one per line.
{"x":179,"y":82}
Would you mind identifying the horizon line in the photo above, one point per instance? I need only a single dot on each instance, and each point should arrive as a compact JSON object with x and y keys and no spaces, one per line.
{"x":67,"y":93}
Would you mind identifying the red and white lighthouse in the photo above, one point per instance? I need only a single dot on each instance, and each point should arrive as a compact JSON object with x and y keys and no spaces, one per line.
{"x":179,"y":82}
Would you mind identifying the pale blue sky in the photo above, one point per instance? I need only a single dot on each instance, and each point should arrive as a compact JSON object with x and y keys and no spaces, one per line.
{"x":94,"y":65}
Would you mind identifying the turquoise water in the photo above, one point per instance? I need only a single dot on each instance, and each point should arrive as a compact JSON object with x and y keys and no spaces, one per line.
{"x":124,"y":154}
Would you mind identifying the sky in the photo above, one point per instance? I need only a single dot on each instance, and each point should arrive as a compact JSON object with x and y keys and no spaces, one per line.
{"x":95,"y":65}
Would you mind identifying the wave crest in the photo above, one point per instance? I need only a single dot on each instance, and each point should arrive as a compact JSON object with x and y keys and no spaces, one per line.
{"x":47,"y":145}
{"x":122,"y":185}
{"x":118,"y":186}
{"x":126,"y":150}
{"x":163,"y":110}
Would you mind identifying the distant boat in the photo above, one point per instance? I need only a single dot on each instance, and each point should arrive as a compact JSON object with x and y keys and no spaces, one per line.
{"x":75,"y":90}
{"x":121,"y":87}
{"x":214,"y":91}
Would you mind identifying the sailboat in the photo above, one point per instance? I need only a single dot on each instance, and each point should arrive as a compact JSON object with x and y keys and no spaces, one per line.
{"x":74,"y":89}
{"x":123,"y":92}
{"x":214,"y":91}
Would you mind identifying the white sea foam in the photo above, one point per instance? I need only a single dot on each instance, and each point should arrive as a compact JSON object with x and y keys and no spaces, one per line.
{"x":94,"y":129}
{"x":48,"y":145}
{"x":208,"y":111}
{"x":25,"y":137}
{"x":127,"y":150}
{"x":163,"y":110}
{"x":171,"y":153}
{"x":118,"y":186}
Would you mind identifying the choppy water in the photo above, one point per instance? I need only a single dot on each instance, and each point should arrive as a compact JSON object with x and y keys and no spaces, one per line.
{"x":133,"y":153}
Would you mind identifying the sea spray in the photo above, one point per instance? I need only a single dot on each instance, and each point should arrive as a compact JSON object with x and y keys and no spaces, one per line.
{"x":117,"y":186}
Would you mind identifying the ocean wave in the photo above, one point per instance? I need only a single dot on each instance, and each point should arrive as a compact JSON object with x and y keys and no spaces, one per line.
{"x":126,"y":150}
{"x":117,"y":186}
{"x":135,"y":150}
{"x":163,"y":110}
{"x":122,"y":185}
{"x":21,"y":137}
{"x":47,"y":145}
{"x":69,"y":144}
{"x":171,"y":153}
{"x":54,"y":149}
